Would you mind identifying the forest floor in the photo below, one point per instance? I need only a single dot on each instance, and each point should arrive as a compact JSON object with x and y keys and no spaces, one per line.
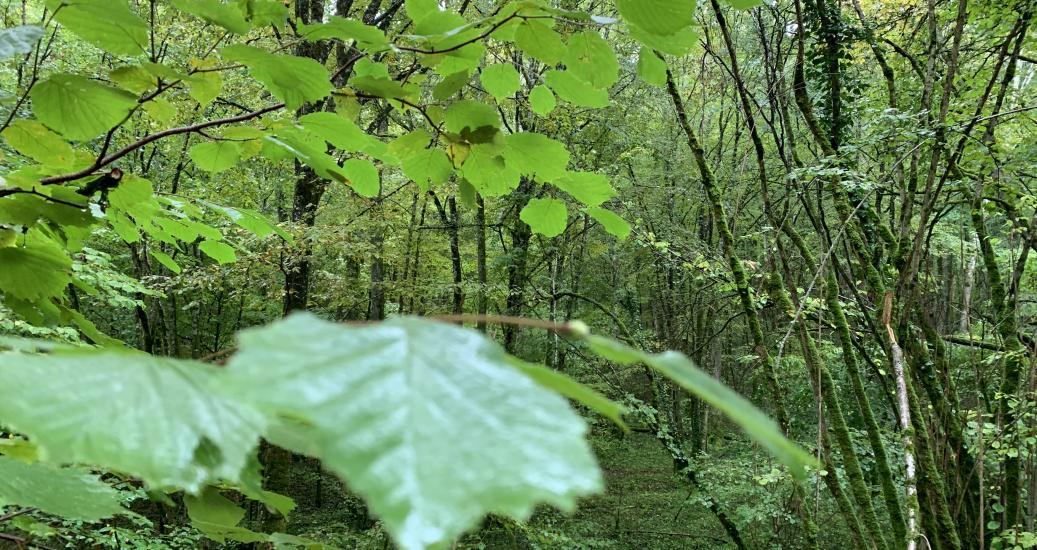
{"x":645,"y":505}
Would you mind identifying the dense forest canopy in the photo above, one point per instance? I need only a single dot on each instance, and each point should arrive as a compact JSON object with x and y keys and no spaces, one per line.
{"x":518,"y":274}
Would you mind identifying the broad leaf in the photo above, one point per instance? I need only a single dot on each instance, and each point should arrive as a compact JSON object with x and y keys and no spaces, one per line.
{"x":575,"y":90}
{"x":76,"y":407}
{"x":589,"y":57}
{"x":651,"y":68}
{"x":215,"y":156}
{"x":545,"y":216}
{"x":226,"y":15}
{"x":35,"y":270}
{"x":613,"y":224}
{"x":427,"y":421}
{"x":107,"y":24}
{"x":78,"y":107}
{"x":539,"y":41}
{"x":67,"y":492}
{"x":536,"y":155}
{"x":294,"y":80}
{"x":221,"y":252}
{"x":367,"y":37}
{"x":659,"y":17}
{"x":218,"y":518}
{"x":542,"y":100}
{"x":501,"y":80}
{"x":37,"y":142}
{"x":362,"y":176}
{"x":590,"y":188}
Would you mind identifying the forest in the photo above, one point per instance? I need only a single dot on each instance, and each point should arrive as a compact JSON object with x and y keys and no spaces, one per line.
{"x":530,"y":274}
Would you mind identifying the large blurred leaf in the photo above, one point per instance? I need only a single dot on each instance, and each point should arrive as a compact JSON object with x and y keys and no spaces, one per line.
{"x":66,"y":492}
{"x":683,"y":371}
{"x":107,"y":24}
{"x":78,"y":107}
{"x":150,"y":417}
{"x":427,"y":421}
{"x":18,"y":40}
{"x":294,"y":80}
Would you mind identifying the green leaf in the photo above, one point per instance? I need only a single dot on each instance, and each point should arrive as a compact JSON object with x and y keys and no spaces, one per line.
{"x":78,"y":107}
{"x":651,"y":68}
{"x":539,"y":41}
{"x":683,"y":371}
{"x":488,"y":172}
{"x":471,"y":116}
{"x":613,"y":224}
{"x":545,"y":216}
{"x":166,"y":260}
{"x":337,"y":130}
{"x":294,"y":80}
{"x":38,"y":269}
{"x":204,"y":87}
{"x":575,"y":90}
{"x":217,"y":518}
{"x":743,"y":4}
{"x":66,"y":492}
{"x":542,"y":100}
{"x":131,"y":191}
{"x":107,"y":24}
{"x":427,"y":421}
{"x":180,"y":434}
{"x":427,"y":167}
{"x":450,"y":85}
{"x":228,"y":16}
{"x":18,"y":40}
{"x":362,"y":176}
{"x":37,"y":142}
{"x":310,"y":150}
{"x":679,"y":43}
{"x":590,"y":188}
{"x":564,"y":385}
{"x":589,"y":57}
{"x":501,"y":80}
{"x":536,"y":155}
{"x":659,"y":17}
{"x":221,"y":252}
{"x":420,"y":9}
{"x":215,"y":156}
{"x":367,"y":37}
